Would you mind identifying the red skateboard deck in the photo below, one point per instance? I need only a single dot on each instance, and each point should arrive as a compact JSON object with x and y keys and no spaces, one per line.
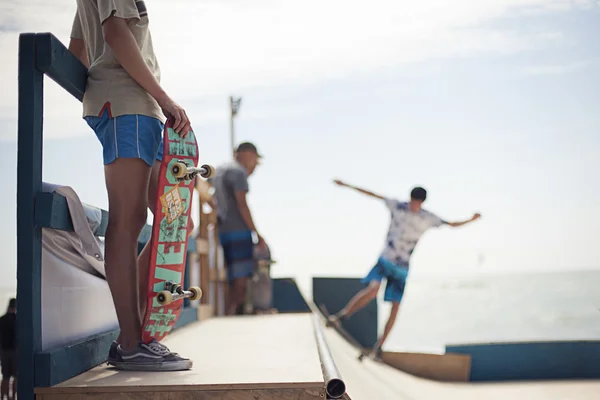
{"x":170,"y":232}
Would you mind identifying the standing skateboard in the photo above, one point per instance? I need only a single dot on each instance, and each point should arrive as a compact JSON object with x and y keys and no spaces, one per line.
{"x":259,"y":290}
{"x":170,"y":232}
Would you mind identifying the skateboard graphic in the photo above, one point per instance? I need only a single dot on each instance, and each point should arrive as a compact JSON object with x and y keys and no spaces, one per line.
{"x":259,"y":290}
{"x":170,"y":232}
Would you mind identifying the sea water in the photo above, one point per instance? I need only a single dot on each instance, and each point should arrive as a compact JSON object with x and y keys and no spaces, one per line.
{"x":437,"y":311}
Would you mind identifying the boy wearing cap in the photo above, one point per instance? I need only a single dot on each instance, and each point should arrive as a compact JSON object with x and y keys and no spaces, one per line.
{"x":235,"y":223}
{"x":408,"y":223}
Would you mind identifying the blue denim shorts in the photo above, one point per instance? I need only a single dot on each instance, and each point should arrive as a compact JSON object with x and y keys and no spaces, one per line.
{"x":395,"y":276}
{"x":128,"y":136}
{"x":238,"y":249}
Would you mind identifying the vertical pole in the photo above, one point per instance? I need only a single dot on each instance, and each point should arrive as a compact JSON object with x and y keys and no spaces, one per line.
{"x":203,"y":258}
{"x":29,"y":236}
{"x":231,"y":127}
{"x":186,"y":274}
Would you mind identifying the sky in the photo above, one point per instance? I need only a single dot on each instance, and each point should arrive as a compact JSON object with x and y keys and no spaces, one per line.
{"x":490,"y":105}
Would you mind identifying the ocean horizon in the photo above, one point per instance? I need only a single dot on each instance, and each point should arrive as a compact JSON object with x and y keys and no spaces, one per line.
{"x":477,"y":308}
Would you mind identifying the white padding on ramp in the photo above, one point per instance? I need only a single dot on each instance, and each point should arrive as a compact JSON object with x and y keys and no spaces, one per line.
{"x":75,"y":304}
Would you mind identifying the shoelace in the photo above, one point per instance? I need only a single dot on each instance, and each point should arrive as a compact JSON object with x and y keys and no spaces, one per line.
{"x":160,"y":344}
{"x":158,"y":348}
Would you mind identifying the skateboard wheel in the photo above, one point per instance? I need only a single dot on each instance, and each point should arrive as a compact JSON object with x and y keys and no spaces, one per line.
{"x":210,"y":171}
{"x":196,"y":293}
{"x":179,"y":170}
{"x":164,"y":297}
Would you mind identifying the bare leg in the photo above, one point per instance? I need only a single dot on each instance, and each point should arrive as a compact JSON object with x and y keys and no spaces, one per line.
{"x":4,"y":388}
{"x":388,"y":326}
{"x":14,"y":388}
{"x":127,"y":186}
{"x":144,"y":257}
{"x":237,"y":294}
{"x":360,"y":300}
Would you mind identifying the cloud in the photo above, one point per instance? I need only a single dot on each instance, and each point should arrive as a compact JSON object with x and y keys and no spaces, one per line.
{"x":557,"y":69}
{"x":210,"y":49}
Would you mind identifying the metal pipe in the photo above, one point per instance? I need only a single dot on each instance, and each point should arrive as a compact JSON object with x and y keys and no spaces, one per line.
{"x":335,"y":387}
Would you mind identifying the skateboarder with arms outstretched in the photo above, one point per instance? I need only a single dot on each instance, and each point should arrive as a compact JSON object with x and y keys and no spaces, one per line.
{"x":408,"y":222}
{"x":125,"y":106}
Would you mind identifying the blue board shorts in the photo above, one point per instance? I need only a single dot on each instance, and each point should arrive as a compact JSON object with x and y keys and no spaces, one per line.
{"x":238,"y":249}
{"x":395,"y":276}
{"x":128,"y":136}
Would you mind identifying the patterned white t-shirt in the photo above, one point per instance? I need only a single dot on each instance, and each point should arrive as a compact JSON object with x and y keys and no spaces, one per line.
{"x":406,"y":227}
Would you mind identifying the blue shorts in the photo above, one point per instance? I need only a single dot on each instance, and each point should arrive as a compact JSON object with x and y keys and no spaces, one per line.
{"x":238,"y":249}
{"x":395,"y":276}
{"x":128,"y":136}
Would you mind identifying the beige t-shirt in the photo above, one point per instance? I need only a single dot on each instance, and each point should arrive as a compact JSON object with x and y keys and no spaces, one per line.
{"x":109,"y":86}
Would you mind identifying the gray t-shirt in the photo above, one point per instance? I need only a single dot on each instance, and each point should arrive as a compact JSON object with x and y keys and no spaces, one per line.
{"x":230,"y":178}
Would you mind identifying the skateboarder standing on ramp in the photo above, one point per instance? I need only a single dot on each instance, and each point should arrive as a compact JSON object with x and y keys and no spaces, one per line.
{"x":125,"y":106}
{"x":235,"y":222}
{"x":408,"y":222}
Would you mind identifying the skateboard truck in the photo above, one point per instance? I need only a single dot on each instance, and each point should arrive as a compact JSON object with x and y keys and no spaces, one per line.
{"x":175,"y":292}
{"x":181,"y":171}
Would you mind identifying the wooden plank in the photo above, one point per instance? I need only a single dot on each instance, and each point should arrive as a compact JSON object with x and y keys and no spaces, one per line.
{"x":59,"y":364}
{"x":235,"y":353}
{"x":205,"y":311}
{"x":203,"y":188}
{"x":29,"y":235}
{"x":221,"y":288}
{"x":60,"y":65}
{"x":217,"y":275}
{"x":440,"y":367}
{"x":204,"y":279}
{"x":202,"y":246}
{"x":52,"y":211}
{"x":232,"y":394}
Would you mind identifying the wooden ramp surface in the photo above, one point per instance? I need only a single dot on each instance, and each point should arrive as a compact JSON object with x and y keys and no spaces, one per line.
{"x":259,"y":357}
{"x":370,"y":380}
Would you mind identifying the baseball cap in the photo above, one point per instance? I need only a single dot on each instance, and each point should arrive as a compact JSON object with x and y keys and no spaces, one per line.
{"x":247,"y":146}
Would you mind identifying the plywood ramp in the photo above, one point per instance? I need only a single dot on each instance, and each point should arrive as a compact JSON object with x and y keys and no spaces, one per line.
{"x":235,"y":358}
{"x":369,"y":380}
{"x":440,"y":367}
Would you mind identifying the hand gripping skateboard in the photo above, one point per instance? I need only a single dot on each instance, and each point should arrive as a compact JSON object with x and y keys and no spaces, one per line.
{"x":170,"y":232}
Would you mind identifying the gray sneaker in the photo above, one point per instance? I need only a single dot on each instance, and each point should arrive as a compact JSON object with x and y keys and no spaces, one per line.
{"x":334,"y":320}
{"x":151,"y":356}
{"x":112,"y":354}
